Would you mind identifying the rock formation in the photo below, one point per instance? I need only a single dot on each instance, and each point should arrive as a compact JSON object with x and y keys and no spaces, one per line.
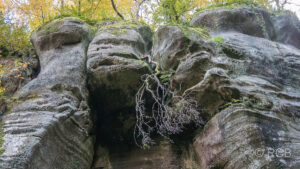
{"x":244,"y":74}
{"x":49,"y":123}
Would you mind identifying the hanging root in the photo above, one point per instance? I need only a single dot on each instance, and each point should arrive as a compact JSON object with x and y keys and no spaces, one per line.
{"x":163,"y":118}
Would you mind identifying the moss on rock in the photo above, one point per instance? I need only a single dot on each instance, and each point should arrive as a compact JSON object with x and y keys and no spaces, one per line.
{"x":230,"y":5}
{"x":1,"y":137}
{"x":117,"y":28}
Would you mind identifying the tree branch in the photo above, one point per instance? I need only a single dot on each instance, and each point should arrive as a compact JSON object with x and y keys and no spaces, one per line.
{"x":116,"y":10}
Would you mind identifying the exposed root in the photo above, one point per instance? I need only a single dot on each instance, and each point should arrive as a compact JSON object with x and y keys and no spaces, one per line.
{"x":164,"y":118}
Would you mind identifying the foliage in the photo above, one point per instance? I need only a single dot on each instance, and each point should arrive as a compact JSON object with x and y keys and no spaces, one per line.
{"x":2,"y":9}
{"x":218,"y":39}
{"x":13,"y":38}
{"x":12,"y":72}
{"x":14,"y":68}
{"x":249,"y":102}
{"x":38,"y":12}
{"x":177,"y":11}
{"x":31,"y":12}
{"x":166,"y":75}
{"x":23,"y":16}
{"x":172,"y":10}
{"x":235,"y":3}
{"x":2,"y":89}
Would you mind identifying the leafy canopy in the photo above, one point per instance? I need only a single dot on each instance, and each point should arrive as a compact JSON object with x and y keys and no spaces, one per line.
{"x":170,"y":11}
{"x":19,"y":17}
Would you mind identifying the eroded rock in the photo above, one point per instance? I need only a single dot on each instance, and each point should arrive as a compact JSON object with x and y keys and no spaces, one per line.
{"x":160,"y":156}
{"x":253,"y":21}
{"x":247,"y":83}
{"x":49,"y":123}
{"x":248,"y":20}
{"x":240,"y":137}
{"x":175,"y":43}
{"x":265,"y":74}
{"x":114,"y":64}
{"x":246,"y":87}
{"x":287,"y":29}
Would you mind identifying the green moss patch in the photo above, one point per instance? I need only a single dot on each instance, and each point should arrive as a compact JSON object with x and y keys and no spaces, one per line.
{"x":53,"y":25}
{"x":118,"y":27}
{"x":190,"y":31}
{"x":218,"y":39}
{"x":1,"y":137}
{"x":231,"y":5}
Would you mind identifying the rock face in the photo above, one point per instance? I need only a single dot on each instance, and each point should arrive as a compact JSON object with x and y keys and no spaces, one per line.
{"x":114,"y":64}
{"x":284,"y":28}
{"x":244,"y":75}
{"x":251,"y":21}
{"x":49,"y":123}
{"x":173,"y":43}
{"x":247,"y":86}
{"x":160,"y":156}
{"x":264,"y":116}
{"x":287,"y":29}
{"x":257,"y":128}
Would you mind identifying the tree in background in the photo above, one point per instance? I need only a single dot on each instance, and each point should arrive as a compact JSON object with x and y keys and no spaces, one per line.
{"x":13,"y":38}
{"x":19,"y":17}
{"x":280,"y":4}
{"x":1,"y":7}
{"x":30,"y":12}
{"x":38,"y":12}
{"x":173,"y":10}
{"x":138,"y":8}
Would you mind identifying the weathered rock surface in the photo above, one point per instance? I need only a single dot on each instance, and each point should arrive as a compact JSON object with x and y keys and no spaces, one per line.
{"x":287,"y":29}
{"x":49,"y":124}
{"x":284,"y":28}
{"x":114,"y":64}
{"x":173,"y":44}
{"x":247,"y":88}
{"x":160,"y":156}
{"x":251,"y":21}
{"x":266,"y":76}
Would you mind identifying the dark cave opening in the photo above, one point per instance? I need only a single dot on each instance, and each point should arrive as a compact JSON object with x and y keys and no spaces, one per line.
{"x":115,"y":145}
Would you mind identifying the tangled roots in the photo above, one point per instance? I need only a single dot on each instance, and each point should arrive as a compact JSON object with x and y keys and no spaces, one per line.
{"x":164,"y":117}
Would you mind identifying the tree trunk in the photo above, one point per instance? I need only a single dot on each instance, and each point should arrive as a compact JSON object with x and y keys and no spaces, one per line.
{"x":79,"y":7}
{"x":62,"y":4}
{"x":277,"y":4}
{"x":43,"y":16}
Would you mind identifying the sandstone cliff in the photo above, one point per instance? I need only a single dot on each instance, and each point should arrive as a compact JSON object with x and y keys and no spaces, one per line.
{"x":241,"y":66}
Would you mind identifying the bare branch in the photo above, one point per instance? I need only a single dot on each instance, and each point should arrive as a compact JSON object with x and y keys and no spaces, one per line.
{"x":116,"y":10}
